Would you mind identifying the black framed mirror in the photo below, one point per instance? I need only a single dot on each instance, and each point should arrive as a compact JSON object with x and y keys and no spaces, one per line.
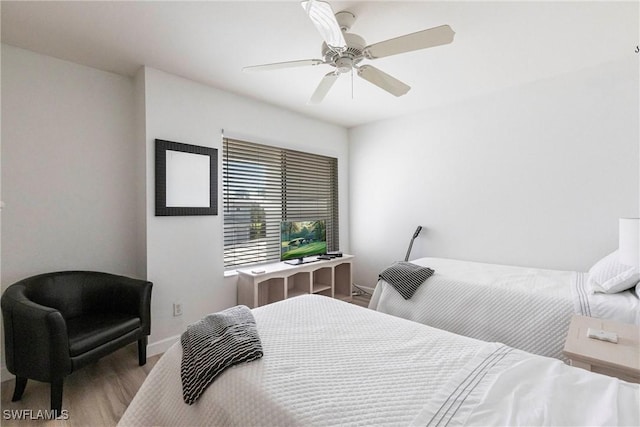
{"x":186,"y":179}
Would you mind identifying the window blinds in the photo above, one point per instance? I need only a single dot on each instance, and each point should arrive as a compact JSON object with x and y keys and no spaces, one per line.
{"x":264,"y":185}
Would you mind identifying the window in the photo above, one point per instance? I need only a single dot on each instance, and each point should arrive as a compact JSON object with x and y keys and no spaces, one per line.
{"x":265,"y":185}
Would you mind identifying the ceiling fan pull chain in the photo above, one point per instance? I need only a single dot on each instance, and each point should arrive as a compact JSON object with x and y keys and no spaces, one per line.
{"x":352,"y":84}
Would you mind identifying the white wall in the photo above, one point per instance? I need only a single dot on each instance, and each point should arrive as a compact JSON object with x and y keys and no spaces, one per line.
{"x":184,"y":254}
{"x":68,"y":161}
{"x":535,"y":175}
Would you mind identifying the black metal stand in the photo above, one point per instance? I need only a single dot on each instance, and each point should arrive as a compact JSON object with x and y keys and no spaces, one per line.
{"x":415,"y":234}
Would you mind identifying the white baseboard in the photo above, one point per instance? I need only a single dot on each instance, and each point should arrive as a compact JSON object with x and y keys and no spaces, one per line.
{"x":161,"y":346}
{"x":365,"y":288}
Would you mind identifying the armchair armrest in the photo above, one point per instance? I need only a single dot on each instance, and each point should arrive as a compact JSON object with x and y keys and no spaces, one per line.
{"x":28,"y":324}
{"x":127,"y":295}
{"x":136,"y":294}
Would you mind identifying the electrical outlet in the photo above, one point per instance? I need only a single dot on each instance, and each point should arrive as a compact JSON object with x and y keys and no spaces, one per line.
{"x":177,"y":309}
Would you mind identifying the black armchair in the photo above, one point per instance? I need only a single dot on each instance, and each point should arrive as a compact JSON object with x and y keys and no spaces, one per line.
{"x":55,"y":323}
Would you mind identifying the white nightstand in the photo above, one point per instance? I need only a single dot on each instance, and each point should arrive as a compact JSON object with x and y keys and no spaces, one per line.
{"x":620,"y":360}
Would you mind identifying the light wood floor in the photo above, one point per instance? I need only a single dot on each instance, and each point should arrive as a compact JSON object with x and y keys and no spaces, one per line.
{"x":96,"y":395}
{"x":361,"y":300}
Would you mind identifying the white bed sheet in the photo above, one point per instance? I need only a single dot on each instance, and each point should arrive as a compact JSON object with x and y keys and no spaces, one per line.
{"x":526,"y":308}
{"x":327,"y":362}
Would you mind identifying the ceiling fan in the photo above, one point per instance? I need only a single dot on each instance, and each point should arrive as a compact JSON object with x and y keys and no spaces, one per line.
{"x":344,"y":51}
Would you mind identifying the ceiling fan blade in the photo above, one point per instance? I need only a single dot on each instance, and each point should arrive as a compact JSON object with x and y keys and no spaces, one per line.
{"x":323,"y":18}
{"x":288,"y":64}
{"x":415,"y":41}
{"x":324,"y":86}
{"x":383,"y":80}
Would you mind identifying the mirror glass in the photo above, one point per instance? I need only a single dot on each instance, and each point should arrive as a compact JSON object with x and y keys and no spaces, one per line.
{"x":188,"y":179}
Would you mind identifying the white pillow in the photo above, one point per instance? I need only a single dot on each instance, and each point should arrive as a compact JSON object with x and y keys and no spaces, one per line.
{"x":609,"y":276}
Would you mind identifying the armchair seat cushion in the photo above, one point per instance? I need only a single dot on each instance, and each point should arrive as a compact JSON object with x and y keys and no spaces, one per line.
{"x":90,"y":331}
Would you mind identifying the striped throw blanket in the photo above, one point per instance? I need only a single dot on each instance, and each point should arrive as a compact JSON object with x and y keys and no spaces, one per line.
{"x":215,"y":343}
{"x":406,"y":277}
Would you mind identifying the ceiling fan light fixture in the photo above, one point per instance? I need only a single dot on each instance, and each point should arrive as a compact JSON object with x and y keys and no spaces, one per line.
{"x":344,"y":65}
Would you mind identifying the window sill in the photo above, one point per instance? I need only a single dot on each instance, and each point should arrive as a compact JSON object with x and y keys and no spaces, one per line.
{"x":234,"y":271}
{"x":230,"y":273}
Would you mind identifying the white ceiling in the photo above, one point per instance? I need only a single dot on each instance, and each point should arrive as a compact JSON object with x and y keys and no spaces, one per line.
{"x":497,"y":45}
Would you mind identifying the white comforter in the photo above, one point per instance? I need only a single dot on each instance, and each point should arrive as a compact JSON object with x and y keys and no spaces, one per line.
{"x":327,"y":362}
{"x":525,"y":308}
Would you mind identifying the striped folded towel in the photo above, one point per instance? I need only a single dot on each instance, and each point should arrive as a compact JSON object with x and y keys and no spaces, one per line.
{"x":215,"y":343}
{"x":406,"y":277}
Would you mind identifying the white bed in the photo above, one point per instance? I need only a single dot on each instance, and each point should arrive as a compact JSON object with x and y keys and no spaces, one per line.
{"x":526,"y":308}
{"x":327,"y":362}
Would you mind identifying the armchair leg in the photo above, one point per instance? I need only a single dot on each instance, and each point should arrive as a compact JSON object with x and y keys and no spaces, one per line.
{"x":142,"y":351}
{"x":21,"y":383}
{"x":56,"y":396}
